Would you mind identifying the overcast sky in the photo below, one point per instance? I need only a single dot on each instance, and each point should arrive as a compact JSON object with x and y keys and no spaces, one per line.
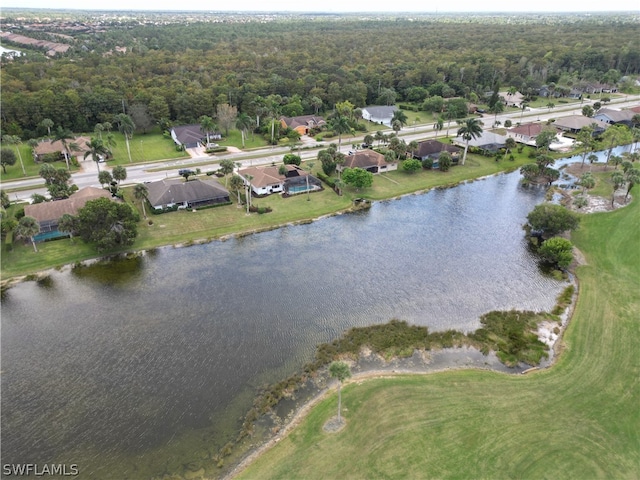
{"x":338,"y":5}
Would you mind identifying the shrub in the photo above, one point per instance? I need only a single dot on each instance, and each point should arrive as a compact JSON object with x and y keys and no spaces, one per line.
{"x":291,"y":159}
{"x":326,"y":179}
{"x":427,"y":164}
{"x":218,"y":149}
{"x":411,"y":166}
{"x":558,"y":251}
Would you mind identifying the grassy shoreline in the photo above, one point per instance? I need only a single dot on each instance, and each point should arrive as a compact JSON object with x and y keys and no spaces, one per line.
{"x":184,"y":228}
{"x":578,"y":419}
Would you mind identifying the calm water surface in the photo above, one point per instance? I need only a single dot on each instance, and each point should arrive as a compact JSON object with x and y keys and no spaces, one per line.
{"x":105,"y":365}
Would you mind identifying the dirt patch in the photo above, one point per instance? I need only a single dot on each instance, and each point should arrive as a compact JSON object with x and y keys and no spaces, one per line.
{"x":334,"y":425}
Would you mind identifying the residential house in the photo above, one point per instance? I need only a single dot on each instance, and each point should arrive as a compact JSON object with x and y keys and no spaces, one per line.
{"x":368,"y":160}
{"x":511,"y":99}
{"x":267,"y":180}
{"x":48,"y":213}
{"x":192,"y":194}
{"x":488,"y":141}
{"x":527,"y":132}
{"x":433,"y":148}
{"x":191,"y":136}
{"x":575,"y":123}
{"x":75,"y":148}
{"x":594,"y":88}
{"x":302,"y":124}
{"x":613,"y":116}
{"x":379,"y":114}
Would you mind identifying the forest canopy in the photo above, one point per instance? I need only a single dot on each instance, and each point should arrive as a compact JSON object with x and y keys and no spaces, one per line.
{"x":182,"y":71}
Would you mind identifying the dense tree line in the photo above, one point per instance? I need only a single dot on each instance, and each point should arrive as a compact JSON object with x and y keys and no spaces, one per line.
{"x":178,"y":73}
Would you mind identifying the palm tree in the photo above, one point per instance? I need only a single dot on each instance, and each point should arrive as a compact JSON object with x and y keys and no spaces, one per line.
{"x":439,"y":125}
{"x":340,"y":125}
{"x":15,"y":141}
{"x":96,"y":149}
{"x":126,"y":127}
{"x":471,"y":129}
{"x":400,"y":116}
{"x":497,"y":108}
{"x":339,"y":371}
{"x":28,"y":227}
{"x":617,"y":178}
{"x":244,"y":122}
{"x":110,"y":142}
{"x":310,"y":164}
{"x":632,"y":176}
{"x":140,"y":192}
{"x":119,"y":173}
{"x":248,"y":191}
{"x":62,"y":135}
{"x":99,"y":128}
{"x":236,"y":185}
{"x":509,"y":144}
{"x":68,"y":223}
{"x":104,"y":177}
{"x":47,"y":123}
{"x":207,"y":125}
{"x":523,"y":106}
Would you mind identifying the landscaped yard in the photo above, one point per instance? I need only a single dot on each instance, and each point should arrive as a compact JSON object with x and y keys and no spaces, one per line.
{"x":187,"y":226}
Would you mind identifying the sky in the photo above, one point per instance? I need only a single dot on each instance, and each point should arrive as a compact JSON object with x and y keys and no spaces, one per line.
{"x":364,"y":6}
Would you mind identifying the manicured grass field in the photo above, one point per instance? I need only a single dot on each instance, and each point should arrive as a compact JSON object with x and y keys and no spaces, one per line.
{"x":577,"y":419}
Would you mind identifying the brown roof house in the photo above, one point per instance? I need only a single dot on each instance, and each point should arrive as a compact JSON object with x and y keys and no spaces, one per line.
{"x":369,"y":160}
{"x":48,"y":213}
{"x":302,"y":124}
{"x":268,"y":180}
{"x":527,"y":132}
{"x":177,"y":194}
{"x":75,"y":148}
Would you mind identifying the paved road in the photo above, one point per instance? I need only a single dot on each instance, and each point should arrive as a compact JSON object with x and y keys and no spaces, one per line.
{"x":137,"y":173}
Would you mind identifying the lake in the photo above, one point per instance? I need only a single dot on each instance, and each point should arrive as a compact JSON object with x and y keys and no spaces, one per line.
{"x":135,"y":367}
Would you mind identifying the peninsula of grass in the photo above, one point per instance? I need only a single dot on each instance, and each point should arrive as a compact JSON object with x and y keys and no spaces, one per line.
{"x":185,"y":227}
{"x":577,"y":419}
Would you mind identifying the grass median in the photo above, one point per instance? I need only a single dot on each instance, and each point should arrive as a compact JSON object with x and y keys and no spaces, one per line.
{"x":578,"y":419}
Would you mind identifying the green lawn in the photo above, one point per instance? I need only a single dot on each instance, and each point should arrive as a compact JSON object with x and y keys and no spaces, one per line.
{"x":578,"y":419}
{"x":14,"y":172}
{"x":144,"y":148}
{"x":183,"y":226}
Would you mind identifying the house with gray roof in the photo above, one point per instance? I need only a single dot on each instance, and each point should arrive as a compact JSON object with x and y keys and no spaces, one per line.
{"x":489,"y":141}
{"x":613,"y":116}
{"x":379,"y":114}
{"x":433,"y":148}
{"x":191,"y":136}
{"x":169,"y":193}
{"x":575,"y":123}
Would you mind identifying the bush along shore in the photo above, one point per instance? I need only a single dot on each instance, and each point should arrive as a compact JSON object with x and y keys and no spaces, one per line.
{"x":512,"y":338}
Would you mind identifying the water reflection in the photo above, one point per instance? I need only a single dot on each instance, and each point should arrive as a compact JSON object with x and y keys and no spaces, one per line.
{"x":123,"y":357}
